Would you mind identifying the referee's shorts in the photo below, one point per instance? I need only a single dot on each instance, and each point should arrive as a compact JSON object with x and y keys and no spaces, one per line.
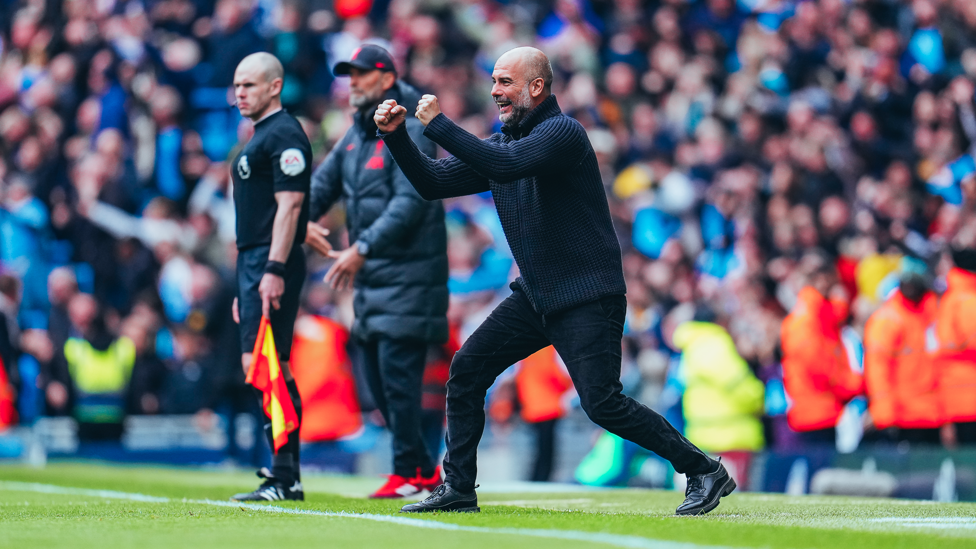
{"x":250,"y":270}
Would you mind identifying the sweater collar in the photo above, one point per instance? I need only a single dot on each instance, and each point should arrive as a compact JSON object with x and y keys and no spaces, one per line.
{"x":544,"y":111}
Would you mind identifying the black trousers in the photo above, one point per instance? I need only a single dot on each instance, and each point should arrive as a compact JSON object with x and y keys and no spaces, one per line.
{"x":250,"y":271}
{"x":395,"y":370}
{"x":587,"y":338}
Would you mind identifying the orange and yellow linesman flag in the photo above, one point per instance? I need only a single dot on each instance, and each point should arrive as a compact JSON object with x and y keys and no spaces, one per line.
{"x":8,"y":412}
{"x":265,"y":375}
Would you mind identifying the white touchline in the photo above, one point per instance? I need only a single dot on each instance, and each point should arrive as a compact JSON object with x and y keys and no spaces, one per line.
{"x":617,"y":540}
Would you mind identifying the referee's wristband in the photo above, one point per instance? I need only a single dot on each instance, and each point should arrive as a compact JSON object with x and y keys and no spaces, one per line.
{"x":276,"y":268}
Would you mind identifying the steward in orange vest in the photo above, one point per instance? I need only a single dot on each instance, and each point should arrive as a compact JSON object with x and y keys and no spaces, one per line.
{"x":899,"y":366}
{"x":539,"y":387}
{"x":323,"y":372}
{"x":955,"y":330}
{"x":816,"y":372}
{"x":541,"y":384}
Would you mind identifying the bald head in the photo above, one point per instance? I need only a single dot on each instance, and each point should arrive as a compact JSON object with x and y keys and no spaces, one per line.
{"x":532,"y":64}
{"x":257,"y":85}
{"x":522,"y":80}
{"x":264,"y":65}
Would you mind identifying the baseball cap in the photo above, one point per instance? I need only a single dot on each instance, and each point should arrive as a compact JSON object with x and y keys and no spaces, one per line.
{"x":367,"y":57}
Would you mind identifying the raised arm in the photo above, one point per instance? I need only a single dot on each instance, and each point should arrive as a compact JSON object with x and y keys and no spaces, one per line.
{"x":554,"y":146}
{"x":433,"y":179}
{"x":405,"y":210}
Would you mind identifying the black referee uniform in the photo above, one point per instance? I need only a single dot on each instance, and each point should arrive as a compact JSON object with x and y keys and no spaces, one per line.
{"x":276,"y":159}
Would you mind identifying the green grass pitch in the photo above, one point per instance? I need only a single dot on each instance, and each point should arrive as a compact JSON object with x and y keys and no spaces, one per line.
{"x":103,"y":506}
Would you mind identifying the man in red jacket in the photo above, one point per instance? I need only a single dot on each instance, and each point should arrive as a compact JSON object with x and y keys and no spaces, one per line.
{"x":899,"y":370}
{"x":816,"y":372}
{"x":955,"y":330}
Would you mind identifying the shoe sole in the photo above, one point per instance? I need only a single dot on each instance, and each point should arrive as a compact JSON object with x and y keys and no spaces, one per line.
{"x":461,"y":510}
{"x":729,"y":487}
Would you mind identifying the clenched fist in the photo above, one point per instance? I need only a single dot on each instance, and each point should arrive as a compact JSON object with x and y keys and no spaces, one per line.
{"x":428,"y":108}
{"x":389,"y":116}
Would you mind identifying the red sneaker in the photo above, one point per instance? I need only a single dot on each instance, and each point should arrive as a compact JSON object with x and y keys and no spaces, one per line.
{"x":431,"y":482}
{"x":397,"y":487}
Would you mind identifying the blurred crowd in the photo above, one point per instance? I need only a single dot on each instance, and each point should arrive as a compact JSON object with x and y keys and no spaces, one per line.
{"x":736,"y":140}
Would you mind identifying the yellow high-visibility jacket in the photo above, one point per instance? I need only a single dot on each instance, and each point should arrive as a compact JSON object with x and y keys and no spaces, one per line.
{"x":723,"y":399}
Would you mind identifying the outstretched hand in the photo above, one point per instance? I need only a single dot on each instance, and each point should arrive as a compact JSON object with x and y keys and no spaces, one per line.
{"x":315,"y":237}
{"x":343,"y":271}
{"x":389,"y":116}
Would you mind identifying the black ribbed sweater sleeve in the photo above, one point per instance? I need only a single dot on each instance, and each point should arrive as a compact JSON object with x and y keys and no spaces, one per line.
{"x":554,"y":146}
{"x":433,"y":179}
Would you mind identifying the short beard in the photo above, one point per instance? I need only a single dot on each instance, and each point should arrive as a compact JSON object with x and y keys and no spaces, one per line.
{"x":520,"y":107}
{"x":364,"y":100}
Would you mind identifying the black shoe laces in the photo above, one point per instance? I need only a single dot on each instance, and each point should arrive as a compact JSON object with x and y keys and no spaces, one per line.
{"x":695,"y":484}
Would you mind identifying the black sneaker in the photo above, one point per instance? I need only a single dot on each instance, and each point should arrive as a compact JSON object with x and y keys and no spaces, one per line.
{"x":272,"y":489}
{"x":445,"y":498}
{"x":704,"y":491}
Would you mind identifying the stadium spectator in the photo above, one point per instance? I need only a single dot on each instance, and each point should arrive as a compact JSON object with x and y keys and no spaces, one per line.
{"x":542,"y":384}
{"x":166,"y":107}
{"x":955,"y":361}
{"x":816,"y":371}
{"x":900,"y":376}
{"x":323,"y":371}
{"x":100,"y":368}
{"x":723,"y":399}
{"x":44,"y":345}
{"x":539,"y":391}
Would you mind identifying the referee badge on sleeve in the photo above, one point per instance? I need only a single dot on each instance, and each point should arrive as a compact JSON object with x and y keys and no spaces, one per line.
{"x":292,"y":162}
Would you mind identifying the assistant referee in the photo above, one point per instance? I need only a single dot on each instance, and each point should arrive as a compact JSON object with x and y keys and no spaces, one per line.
{"x":271,"y":182}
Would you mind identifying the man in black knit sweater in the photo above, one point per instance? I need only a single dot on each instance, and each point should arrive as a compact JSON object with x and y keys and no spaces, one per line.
{"x":544,"y":177}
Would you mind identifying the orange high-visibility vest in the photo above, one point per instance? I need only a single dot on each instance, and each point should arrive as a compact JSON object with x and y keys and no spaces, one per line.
{"x":816,"y":372}
{"x":323,"y":372}
{"x":541,"y":382}
{"x":955,"y":331}
{"x":899,"y":364}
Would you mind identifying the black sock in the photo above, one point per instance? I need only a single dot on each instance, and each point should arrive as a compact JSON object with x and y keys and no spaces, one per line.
{"x":285,"y":463}
{"x":294,"y":442}
{"x":283,"y":467}
{"x":266,"y":419}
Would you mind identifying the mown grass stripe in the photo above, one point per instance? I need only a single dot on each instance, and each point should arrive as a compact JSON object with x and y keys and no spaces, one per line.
{"x":616,"y":540}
